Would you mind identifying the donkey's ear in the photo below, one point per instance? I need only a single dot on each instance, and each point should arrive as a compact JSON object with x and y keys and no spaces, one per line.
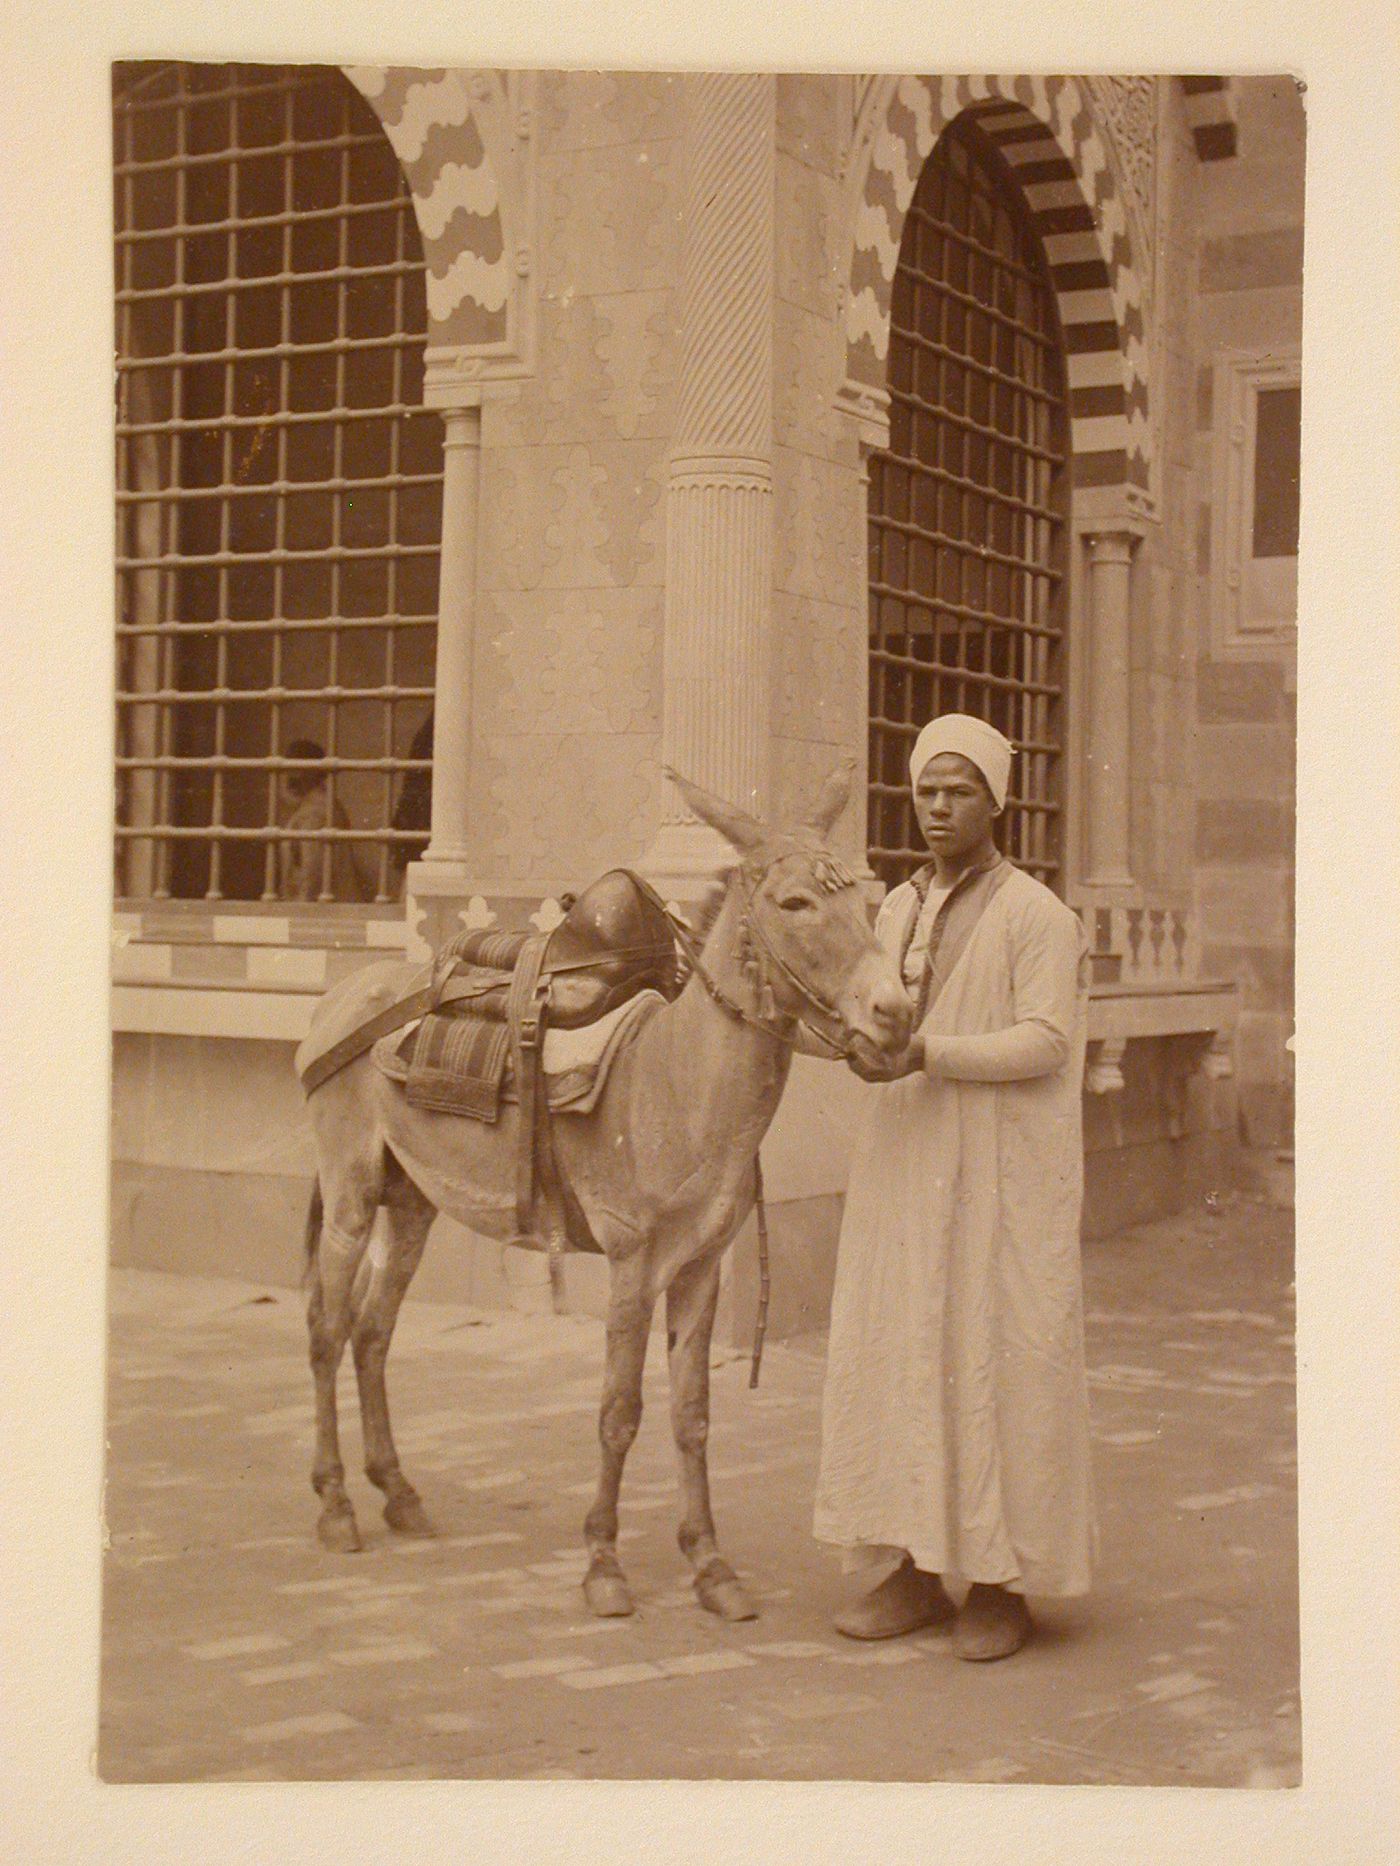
{"x":745,"y":832}
{"x":832,"y":799}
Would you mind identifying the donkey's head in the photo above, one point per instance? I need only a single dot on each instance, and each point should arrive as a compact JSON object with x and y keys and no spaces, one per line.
{"x":803,"y":935}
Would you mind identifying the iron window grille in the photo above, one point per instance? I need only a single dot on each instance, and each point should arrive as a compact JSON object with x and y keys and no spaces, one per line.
{"x":279,"y":487}
{"x":968,"y":505}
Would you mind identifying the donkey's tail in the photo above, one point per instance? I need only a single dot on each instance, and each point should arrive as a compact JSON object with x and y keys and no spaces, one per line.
{"x":314,"y":1215}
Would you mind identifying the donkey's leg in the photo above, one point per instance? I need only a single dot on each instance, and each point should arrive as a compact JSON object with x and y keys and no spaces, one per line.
{"x":407,"y":1217}
{"x":629,"y":1323}
{"x":350,"y":1200}
{"x":690,"y":1320}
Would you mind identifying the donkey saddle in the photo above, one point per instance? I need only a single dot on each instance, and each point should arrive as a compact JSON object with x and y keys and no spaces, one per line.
{"x":614,"y":941}
{"x":482,"y":1005}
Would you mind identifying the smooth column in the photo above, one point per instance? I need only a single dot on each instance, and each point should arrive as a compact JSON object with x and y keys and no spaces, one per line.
{"x":461,"y":473}
{"x":1107,"y":738}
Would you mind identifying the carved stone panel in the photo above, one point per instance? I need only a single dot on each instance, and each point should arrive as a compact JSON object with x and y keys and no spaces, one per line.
{"x":1127,"y":109}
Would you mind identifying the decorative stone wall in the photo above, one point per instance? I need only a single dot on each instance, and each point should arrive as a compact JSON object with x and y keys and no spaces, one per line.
{"x":1128,"y":110}
{"x":1097,"y":170}
{"x":1247,"y":217}
{"x":1047,"y":129}
{"x":820,"y":631}
{"x":1131,"y":112}
{"x":581,"y":454}
{"x":567,"y":690}
{"x":1162,"y":663}
{"x":462,"y":138}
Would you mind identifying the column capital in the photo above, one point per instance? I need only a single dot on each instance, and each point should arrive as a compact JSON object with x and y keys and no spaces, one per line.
{"x":458,"y":379}
{"x":1112,"y":508}
{"x":461,"y":425}
{"x":1114,"y":543}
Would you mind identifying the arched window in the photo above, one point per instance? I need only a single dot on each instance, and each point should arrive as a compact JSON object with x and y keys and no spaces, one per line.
{"x":279,"y":488}
{"x":968,"y":505}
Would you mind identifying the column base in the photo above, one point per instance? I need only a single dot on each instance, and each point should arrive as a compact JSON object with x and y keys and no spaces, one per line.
{"x":434,"y":895}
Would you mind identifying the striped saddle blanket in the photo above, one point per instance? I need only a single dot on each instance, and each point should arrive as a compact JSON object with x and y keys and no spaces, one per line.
{"x":460,"y":1063}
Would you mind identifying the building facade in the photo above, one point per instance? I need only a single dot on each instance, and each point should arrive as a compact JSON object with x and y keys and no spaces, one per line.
{"x":506,"y":436}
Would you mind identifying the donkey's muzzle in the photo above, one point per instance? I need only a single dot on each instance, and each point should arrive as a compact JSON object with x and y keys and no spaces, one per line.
{"x":878,"y":1008}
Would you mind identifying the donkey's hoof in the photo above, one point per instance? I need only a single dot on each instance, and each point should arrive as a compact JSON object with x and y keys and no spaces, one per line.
{"x":406,"y":1516}
{"x":339,"y":1532}
{"x":720,"y":1591}
{"x":607,"y":1594}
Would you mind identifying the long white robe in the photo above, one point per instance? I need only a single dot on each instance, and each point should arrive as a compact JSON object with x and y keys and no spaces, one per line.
{"x":955,"y":1417}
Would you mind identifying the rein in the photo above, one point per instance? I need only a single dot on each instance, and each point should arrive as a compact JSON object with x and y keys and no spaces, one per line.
{"x":831,"y":878}
{"x":737,"y":1011}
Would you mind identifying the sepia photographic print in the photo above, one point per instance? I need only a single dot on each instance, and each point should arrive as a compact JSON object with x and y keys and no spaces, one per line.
{"x":552,"y":508}
{"x":704,"y":755}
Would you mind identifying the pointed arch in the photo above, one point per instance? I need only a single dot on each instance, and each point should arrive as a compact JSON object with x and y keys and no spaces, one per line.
{"x":1046,"y":131}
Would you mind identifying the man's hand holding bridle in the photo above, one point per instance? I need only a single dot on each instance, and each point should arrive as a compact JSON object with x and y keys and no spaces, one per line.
{"x":890,"y":1068}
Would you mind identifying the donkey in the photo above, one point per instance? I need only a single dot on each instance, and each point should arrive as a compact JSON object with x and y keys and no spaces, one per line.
{"x":663,"y":1169}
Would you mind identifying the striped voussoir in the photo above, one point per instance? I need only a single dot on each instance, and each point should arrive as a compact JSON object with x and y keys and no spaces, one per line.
{"x":1046,"y":130}
{"x":1210,"y":110}
{"x":441,"y":124}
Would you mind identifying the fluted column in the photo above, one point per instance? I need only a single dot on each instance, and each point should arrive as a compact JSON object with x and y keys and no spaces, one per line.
{"x":1107,"y":746}
{"x":719,"y":499}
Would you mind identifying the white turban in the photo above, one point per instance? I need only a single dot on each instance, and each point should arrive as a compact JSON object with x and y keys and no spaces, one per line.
{"x":970,"y":738}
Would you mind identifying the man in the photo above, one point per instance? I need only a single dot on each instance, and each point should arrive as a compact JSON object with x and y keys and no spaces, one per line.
{"x":306,"y":805}
{"x":414,"y":809}
{"x":955,"y":1419}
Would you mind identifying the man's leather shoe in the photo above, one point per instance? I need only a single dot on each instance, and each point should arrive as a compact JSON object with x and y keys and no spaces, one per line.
{"x":992,"y":1624}
{"x":903,"y":1602}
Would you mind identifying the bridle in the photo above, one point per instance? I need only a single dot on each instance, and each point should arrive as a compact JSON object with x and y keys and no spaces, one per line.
{"x":831,"y":877}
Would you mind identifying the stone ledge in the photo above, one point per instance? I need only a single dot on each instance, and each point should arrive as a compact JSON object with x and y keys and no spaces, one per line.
{"x":195,"y":1010}
{"x":1178,"y":1008}
{"x":260,"y":923}
{"x":191,"y":1008}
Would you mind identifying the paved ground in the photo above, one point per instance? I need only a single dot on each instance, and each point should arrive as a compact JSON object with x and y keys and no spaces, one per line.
{"x":234,"y":1648}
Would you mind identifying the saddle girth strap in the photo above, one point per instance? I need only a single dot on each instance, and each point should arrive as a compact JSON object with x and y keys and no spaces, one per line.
{"x":525,"y":1020}
{"x":436,"y":995}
